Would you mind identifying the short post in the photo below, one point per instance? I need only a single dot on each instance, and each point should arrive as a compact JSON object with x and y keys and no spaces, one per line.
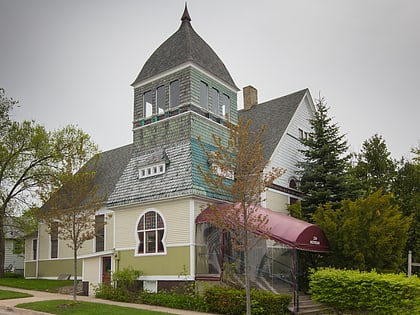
{"x":410,"y":257}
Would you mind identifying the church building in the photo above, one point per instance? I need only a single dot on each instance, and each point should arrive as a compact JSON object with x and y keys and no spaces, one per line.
{"x":154,"y":190}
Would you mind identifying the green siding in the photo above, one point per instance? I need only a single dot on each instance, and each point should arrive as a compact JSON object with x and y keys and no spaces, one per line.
{"x":30,"y":269}
{"x":54,"y":268}
{"x":176,"y":262}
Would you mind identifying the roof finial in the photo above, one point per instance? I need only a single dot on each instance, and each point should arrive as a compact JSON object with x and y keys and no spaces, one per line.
{"x":186,"y":16}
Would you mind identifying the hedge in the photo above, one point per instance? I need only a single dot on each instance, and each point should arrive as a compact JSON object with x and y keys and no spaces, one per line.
{"x":366,"y":292}
{"x":230,"y":301}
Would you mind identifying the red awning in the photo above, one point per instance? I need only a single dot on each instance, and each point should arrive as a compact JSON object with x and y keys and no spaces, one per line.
{"x":281,"y":228}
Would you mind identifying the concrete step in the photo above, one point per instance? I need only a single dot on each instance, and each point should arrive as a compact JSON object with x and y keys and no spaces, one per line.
{"x":308,"y":307}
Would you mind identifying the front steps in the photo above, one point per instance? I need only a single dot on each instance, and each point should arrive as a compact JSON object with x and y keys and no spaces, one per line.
{"x":309,"y":307}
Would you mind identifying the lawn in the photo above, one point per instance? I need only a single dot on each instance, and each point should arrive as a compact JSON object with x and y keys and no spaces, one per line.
{"x":5,"y":295}
{"x":35,"y":284}
{"x":67,"y":307}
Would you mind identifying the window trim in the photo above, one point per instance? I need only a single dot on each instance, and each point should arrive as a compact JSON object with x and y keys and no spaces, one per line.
{"x":158,"y":108}
{"x":54,"y":241}
{"x":171,"y":99}
{"x":145,"y":104}
{"x":102,"y":231}
{"x":144,"y":233}
{"x":152,"y":170}
{"x":35,"y":249}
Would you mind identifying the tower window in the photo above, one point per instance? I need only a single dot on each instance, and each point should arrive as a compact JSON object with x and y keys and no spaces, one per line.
{"x":215,"y":100}
{"x":225,"y":106}
{"x":204,"y":95}
{"x":174,"y":94}
{"x":160,"y":99}
{"x":147,"y":104}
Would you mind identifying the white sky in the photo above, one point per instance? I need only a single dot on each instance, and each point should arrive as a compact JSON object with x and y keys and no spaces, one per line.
{"x":72,"y":62}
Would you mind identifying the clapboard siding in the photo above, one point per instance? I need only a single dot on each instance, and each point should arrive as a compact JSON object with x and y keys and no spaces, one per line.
{"x":287,"y":153}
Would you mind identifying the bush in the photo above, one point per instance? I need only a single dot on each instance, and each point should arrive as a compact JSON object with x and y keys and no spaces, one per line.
{"x":126,"y":288}
{"x":188,"y":300}
{"x":13,"y":275}
{"x":370,"y":292}
{"x":232,"y":301}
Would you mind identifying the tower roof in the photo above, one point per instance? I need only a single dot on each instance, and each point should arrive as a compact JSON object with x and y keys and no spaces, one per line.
{"x":183,"y":46}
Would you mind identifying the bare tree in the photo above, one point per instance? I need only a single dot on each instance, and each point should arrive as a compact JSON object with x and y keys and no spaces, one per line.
{"x":238,"y":171}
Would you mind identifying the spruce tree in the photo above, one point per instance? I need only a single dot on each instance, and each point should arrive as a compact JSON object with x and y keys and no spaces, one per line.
{"x":375,"y":169}
{"x":324,"y":165}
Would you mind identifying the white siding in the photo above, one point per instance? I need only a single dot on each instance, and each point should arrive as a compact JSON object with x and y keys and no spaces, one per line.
{"x":287,"y":154}
{"x":11,"y":259}
{"x":175,"y":213}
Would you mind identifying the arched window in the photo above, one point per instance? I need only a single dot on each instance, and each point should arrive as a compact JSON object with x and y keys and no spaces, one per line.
{"x":150,"y":232}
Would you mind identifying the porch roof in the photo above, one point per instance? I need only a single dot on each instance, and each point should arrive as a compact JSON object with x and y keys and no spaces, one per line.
{"x":280,"y":227}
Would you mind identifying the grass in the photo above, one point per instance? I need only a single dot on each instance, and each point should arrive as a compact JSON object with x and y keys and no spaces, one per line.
{"x":35,"y":284}
{"x":67,"y":307}
{"x":5,"y":295}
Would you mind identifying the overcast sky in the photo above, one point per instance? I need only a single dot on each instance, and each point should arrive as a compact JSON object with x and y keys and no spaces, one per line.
{"x":72,"y":62}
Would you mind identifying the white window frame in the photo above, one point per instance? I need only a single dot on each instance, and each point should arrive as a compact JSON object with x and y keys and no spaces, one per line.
{"x":152,"y":170}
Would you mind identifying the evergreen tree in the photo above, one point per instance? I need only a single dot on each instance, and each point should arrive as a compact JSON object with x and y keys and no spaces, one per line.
{"x":406,"y":189}
{"x":365,"y":234}
{"x":374,"y":169}
{"x":325,"y":162}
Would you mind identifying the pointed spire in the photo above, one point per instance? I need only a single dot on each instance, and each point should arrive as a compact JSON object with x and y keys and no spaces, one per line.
{"x":186,"y":16}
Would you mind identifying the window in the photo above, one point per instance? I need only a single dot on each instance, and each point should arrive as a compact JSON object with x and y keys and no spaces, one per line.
{"x":150,"y":231}
{"x":160,"y":99}
{"x":215,"y":100}
{"x":54,"y":240}
{"x":152,"y":170}
{"x":292,"y":185}
{"x":147,"y":104}
{"x":301,"y":134}
{"x":34,"y":249}
{"x":174,"y":94}
{"x":99,"y":232}
{"x":204,"y":95}
{"x":225,"y":106}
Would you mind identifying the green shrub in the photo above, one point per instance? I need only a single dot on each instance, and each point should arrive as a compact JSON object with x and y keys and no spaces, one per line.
{"x":188,"y":300}
{"x":370,"y":292}
{"x":232,"y":301}
{"x":13,"y":275}
{"x":126,"y":288}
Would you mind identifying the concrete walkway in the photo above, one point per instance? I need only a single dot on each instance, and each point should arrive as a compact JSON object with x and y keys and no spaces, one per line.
{"x":8,"y":306}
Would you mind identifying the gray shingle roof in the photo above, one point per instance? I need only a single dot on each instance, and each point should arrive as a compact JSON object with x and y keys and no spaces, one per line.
{"x":109,"y":168}
{"x":184,"y":45}
{"x":275,"y":115}
{"x":176,"y":181}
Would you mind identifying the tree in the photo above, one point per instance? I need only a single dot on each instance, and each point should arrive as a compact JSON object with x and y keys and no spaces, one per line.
{"x":30,"y":159}
{"x":406,"y":189}
{"x":374,"y":169}
{"x":69,"y":213}
{"x":365,"y":234}
{"x":324,"y":165}
{"x":238,"y":172}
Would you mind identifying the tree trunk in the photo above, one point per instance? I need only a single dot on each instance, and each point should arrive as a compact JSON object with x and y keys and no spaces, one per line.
{"x":75,"y":274}
{"x":247,"y":282}
{"x":2,"y":243}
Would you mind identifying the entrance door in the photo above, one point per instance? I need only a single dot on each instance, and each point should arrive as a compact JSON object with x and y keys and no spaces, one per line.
{"x":106,"y":269}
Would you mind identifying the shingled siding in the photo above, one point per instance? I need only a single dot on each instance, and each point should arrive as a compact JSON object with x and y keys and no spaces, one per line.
{"x":198,"y":76}
{"x":165,"y":132}
{"x":205,"y":129}
{"x":182,"y":75}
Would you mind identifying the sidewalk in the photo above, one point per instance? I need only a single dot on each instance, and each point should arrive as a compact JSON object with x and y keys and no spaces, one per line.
{"x":8,"y":306}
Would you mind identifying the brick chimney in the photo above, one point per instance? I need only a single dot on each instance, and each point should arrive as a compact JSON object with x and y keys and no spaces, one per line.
{"x":250,"y":96}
